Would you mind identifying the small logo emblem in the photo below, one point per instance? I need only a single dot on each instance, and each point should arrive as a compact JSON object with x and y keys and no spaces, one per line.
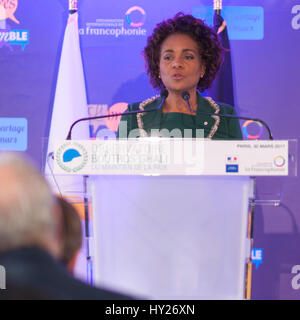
{"x":72,"y":157}
{"x":252,"y":136}
{"x":7,"y":10}
{"x":232,"y":168}
{"x":232,"y":164}
{"x":257,"y":257}
{"x":129,"y":14}
{"x":279,"y":161}
{"x":8,"y":36}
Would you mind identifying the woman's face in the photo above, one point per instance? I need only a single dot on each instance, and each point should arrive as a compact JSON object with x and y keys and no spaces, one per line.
{"x":180,"y":63}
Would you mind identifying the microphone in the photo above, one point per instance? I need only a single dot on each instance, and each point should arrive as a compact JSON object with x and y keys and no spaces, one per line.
{"x":186,"y":96}
{"x":164,"y":93}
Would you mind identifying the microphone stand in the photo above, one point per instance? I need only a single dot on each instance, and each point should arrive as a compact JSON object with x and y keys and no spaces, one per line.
{"x":69,"y":136}
{"x":89,"y":261}
{"x":164,"y":95}
{"x":186,"y":96}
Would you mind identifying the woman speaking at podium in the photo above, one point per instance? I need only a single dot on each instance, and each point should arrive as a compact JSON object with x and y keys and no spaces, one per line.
{"x":182,"y":58}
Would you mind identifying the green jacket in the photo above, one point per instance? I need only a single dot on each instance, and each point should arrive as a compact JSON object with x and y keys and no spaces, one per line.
{"x":228,"y":129}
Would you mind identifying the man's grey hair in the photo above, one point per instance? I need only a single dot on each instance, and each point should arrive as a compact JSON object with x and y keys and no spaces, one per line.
{"x":26,"y":202}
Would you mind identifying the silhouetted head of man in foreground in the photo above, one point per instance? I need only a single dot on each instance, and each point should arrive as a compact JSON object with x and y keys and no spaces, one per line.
{"x":31,"y":232}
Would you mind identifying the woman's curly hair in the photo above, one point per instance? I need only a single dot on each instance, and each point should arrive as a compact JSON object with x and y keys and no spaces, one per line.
{"x":210,"y":48}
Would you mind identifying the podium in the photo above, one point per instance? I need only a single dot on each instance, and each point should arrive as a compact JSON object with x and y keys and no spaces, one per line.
{"x":165,"y":229}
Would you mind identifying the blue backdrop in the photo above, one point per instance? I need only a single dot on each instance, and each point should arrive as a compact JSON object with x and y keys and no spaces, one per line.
{"x":265,"y":51}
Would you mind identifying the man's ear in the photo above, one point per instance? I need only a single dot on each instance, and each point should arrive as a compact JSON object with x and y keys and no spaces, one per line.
{"x":56,"y":246}
{"x":72,"y":262}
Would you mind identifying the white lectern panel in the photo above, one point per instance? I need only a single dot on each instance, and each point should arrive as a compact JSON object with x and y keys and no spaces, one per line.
{"x":171,"y":237}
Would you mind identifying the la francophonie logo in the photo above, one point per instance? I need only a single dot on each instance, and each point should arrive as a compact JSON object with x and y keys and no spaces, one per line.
{"x":136,"y":10}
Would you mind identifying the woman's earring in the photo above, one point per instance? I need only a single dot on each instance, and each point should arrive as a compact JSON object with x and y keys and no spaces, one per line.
{"x":203,"y":73}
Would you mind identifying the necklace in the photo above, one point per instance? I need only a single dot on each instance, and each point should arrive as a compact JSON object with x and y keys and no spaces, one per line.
{"x":212,"y":103}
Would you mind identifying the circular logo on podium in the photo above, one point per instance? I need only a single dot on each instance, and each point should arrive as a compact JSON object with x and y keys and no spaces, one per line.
{"x":252,"y":136}
{"x":279,"y":161}
{"x":72,"y":157}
